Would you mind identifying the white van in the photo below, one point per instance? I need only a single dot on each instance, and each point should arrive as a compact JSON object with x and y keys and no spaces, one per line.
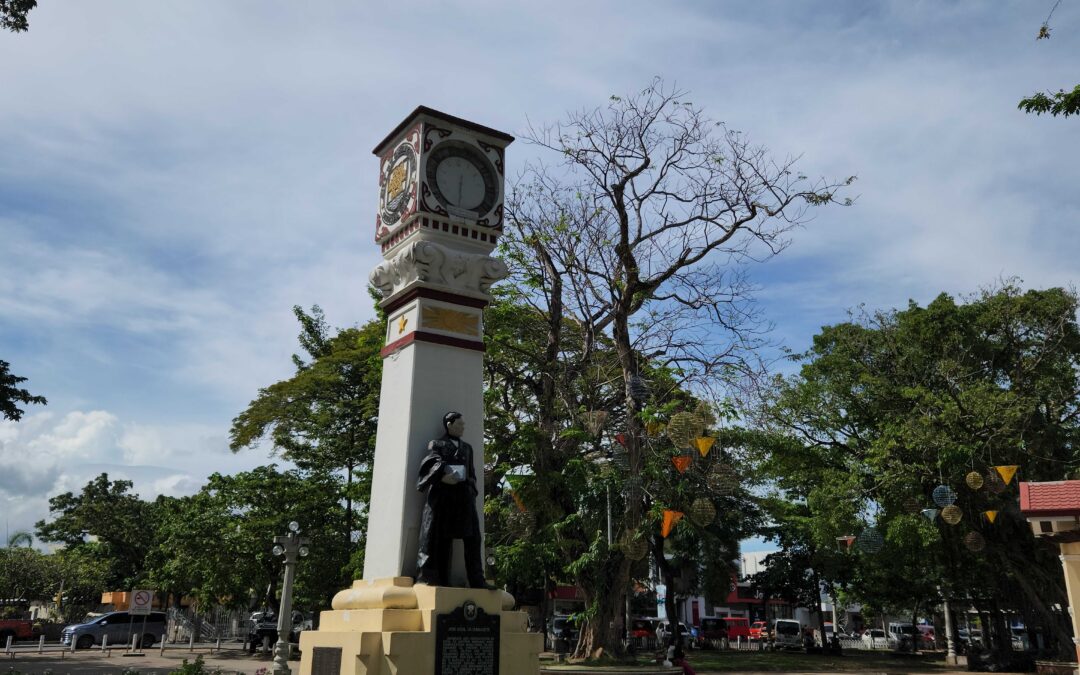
{"x":787,"y":634}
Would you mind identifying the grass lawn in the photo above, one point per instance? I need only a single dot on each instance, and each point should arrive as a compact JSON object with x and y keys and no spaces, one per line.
{"x":738,"y":661}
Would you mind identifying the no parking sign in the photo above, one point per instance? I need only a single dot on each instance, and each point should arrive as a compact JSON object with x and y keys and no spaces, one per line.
{"x":141,"y":601}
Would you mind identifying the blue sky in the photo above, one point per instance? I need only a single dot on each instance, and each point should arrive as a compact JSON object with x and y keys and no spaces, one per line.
{"x":176,"y":176}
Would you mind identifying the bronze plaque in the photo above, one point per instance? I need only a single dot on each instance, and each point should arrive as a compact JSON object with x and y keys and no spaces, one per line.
{"x":326,"y":661}
{"x":467,"y":642}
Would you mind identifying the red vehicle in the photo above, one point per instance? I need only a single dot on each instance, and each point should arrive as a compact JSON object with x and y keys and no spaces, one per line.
{"x":16,"y":629}
{"x":737,"y":627}
{"x":643,"y":628}
{"x":759,"y":630}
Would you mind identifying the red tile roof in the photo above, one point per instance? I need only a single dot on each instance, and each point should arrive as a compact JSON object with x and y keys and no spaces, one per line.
{"x":1057,"y":498}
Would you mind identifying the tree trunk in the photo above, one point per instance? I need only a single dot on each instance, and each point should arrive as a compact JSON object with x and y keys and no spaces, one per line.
{"x":603,"y":629}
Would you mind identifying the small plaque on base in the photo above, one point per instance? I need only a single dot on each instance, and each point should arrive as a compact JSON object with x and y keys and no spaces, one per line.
{"x":467,"y":642}
{"x":326,"y":661}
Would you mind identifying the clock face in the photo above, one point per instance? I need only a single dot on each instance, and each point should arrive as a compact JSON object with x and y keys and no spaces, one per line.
{"x":462,"y":179}
{"x":399,"y":175}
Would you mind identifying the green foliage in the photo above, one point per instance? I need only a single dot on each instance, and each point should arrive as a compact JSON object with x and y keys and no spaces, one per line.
{"x":215,"y":545}
{"x":888,"y":406}
{"x":10,"y":394}
{"x":106,"y":522}
{"x":13,"y":14}
{"x":1061,"y":102}
{"x":324,"y":417}
{"x":26,"y":574}
{"x":196,"y":668}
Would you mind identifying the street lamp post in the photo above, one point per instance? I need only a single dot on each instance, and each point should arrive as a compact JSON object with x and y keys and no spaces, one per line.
{"x":290,"y":545}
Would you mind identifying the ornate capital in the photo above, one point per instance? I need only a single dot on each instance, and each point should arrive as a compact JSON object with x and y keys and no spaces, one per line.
{"x":433,"y":265}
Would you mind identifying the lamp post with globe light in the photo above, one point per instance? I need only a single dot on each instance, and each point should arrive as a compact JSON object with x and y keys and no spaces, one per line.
{"x":290,"y":545}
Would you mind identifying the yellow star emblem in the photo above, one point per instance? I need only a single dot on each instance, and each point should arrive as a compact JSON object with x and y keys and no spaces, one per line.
{"x":401,"y":325}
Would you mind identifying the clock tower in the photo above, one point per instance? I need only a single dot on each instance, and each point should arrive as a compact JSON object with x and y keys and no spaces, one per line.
{"x":440,"y":215}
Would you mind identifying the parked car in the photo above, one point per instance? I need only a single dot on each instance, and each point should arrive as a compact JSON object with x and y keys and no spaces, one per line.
{"x":643,"y":630}
{"x":759,"y":630}
{"x":787,"y":634}
{"x":16,"y":629}
{"x":563,"y":634}
{"x":663,"y":632}
{"x":738,"y":627}
{"x":875,"y":638}
{"x":713,"y":630}
{"x":118,"y":628}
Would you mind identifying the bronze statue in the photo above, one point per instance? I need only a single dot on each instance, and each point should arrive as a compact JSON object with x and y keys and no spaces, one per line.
{"x":448,"y":480}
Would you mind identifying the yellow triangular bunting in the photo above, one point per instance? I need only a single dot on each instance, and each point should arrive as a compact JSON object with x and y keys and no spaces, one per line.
{"x":1006,"y":471}
{"x":704,"y":444}
{"x":990,"y":515}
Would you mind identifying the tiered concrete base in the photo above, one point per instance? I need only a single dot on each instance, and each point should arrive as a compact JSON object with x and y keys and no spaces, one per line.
{"x":387,"y":627}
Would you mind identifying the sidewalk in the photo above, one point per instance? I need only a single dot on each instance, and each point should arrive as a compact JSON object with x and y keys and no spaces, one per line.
{"x":93,"y":662}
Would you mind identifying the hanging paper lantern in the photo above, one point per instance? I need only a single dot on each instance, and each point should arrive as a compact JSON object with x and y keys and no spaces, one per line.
{"x":671,"y":517}
{"x":930,"y":514}
{"x":994,"y":483}
{"x":620,"y":438}
{"x":704,"y":412}
{"x":974,"y":542}
{"x":704,"y":444}
{"x":635,"y":547}
{"x":722,"y":480}
{"x":913,"y":505}
{"x":943,"y":495}
{"x":1006,"y":471}
{"x":845,"y":543}
{"x":702,"y":512}
{"x":974,"y":480}
{"x":639,"y":388}
{"x":991,"y":515}
{"x":870,"y":540}
{"x":952,"y":514}
{"x":595,"y":420}
{"x":683,"y":428}
{"x":654,"y":428}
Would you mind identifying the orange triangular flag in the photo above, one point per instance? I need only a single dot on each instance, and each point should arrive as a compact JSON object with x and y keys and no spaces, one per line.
{"x":670,"y":518}
{"x":990,"y":515}
{"x":704,"y":444}
{"x":1006,"y":471}
{"x":517,"y":500}
{"x":682,"y":462}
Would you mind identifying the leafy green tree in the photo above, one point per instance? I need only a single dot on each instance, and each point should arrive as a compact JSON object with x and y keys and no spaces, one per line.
{"x":20,"y":538}
{"x":106,"y":522}
{"x":10,"y":394}
{"x":889,"y":406}
{"x":216,"y":545}
{"x":13,"y":14}
{"x":26,"y":574}
{"x":82,"y":573}
{"x":324,"y":417}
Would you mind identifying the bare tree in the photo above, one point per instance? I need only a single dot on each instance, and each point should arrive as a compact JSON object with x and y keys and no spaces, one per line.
{"x":642,"y":235}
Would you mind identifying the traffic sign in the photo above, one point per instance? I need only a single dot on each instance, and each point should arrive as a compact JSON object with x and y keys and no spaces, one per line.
{"x":141,"y":602}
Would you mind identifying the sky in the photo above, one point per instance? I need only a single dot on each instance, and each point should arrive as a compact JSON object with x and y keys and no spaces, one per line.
{"x":174,"y":177}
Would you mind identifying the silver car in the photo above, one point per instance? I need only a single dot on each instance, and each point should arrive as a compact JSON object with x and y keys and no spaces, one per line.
{"x":119,"y":627}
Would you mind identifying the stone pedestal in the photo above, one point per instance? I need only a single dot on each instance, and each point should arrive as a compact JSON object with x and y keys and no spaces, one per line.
{"x":387,"y":627}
